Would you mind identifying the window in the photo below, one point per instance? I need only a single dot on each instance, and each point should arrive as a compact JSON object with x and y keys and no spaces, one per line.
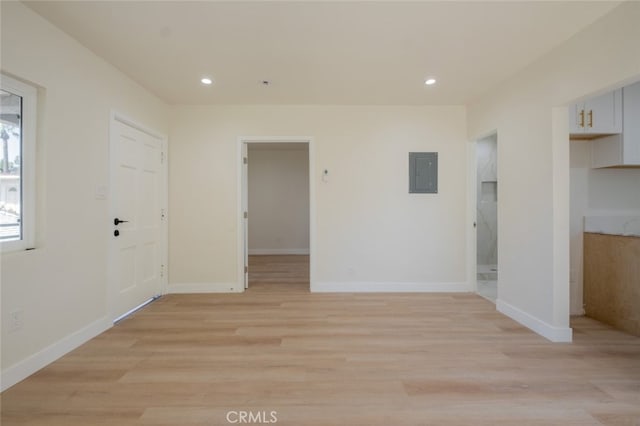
{"x":17,"y":164}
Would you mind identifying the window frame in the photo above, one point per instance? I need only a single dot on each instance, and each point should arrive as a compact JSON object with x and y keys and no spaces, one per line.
{"x":28,"y":118}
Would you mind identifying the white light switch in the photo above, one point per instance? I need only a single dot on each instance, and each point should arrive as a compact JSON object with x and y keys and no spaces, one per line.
{"x":101,"y":192}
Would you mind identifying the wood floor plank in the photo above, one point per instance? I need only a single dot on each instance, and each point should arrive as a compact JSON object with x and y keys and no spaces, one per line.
{"x":332,"y":359}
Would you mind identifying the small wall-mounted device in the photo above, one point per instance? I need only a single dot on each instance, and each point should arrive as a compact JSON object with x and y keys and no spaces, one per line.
{"x":325,"y":175}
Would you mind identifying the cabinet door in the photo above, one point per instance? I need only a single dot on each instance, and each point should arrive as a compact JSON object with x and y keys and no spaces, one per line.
{"x":631,"y":133}
{"x":576,"y":123}
{"x":603,"y":115}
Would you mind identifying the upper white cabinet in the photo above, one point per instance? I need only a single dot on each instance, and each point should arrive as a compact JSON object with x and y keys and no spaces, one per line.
{"x":597,"y":116}
{"x":622,"y":150}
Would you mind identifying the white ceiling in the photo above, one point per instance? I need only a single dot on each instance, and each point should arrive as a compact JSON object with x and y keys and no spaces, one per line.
{"x":320,"y":52}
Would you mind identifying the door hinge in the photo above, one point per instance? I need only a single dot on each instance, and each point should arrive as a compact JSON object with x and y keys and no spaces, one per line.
{"x":161,"y":271}
{"x":246,"y":269}
{"x":162,"y":157}
{"x":246,"y":215}
{"x":162,"y":214}
{"x":245,"y":160}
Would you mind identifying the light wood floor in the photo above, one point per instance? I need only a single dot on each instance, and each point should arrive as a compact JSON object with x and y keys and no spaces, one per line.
{"x":333,"y":359}
{"x":278,"y":273}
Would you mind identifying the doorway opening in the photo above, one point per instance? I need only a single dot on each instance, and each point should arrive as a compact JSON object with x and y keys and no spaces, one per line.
{"x":487,"y":217}
{"x":276,"y":197}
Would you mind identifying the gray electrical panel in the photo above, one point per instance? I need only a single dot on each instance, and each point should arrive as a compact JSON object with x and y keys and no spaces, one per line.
{"x":423,"y":172}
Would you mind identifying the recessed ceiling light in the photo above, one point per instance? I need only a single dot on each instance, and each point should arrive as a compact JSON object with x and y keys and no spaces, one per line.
{"x":206,"y":80}
{"x":430,"y":81}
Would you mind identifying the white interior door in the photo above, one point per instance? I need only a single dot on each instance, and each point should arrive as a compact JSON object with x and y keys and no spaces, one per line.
{"x":472,"y":212}
{"x":137,"y":248}
{"x":245,"y":210}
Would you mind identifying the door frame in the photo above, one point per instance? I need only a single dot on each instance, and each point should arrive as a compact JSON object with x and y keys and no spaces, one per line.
{"x":472,"y":216}
{"x":112,"y":284}
{"x":242,"y":197}
{"x":472,"y":209}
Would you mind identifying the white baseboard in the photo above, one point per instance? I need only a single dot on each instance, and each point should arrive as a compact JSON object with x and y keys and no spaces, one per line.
{"x":555,"y":334}
{"x":185,"y":288}
{"x":275,"y":252}
{"x":389,"y":287}
{"x":46,"y":356}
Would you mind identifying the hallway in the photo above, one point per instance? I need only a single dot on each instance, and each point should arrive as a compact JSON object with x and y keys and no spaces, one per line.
{"x":278,"y":273}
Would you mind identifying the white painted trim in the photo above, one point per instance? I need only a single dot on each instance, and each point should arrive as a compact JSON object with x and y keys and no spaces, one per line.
{"x":188,"y":288}
{"x":389,"y":287}
{"x":276,"y":252}
{"x":312,"y":212}
{"x":164,"y":284}
{"x":561,"y":216}
{"x":28,"y":366}
{"x":28,"y":179}
{"x":124,"y":119}
{"x":244,"y":191}
{"x":548,"y":331}
{"x":242,"y":141}
{"x":275,"y":139}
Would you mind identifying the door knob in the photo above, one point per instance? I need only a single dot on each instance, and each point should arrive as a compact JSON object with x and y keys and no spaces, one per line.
{"x":117,"y":221}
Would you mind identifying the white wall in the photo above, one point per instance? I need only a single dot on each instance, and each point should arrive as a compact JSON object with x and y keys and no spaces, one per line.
{"x":614,"y":191}
{"x":533,"y":238}
{"x":370,"y":232}
{"x":61,"y":285}
{"x":278,"y":184}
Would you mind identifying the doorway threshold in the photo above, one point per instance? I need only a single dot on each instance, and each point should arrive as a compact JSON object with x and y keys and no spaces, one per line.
{"x":136,"y":309}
